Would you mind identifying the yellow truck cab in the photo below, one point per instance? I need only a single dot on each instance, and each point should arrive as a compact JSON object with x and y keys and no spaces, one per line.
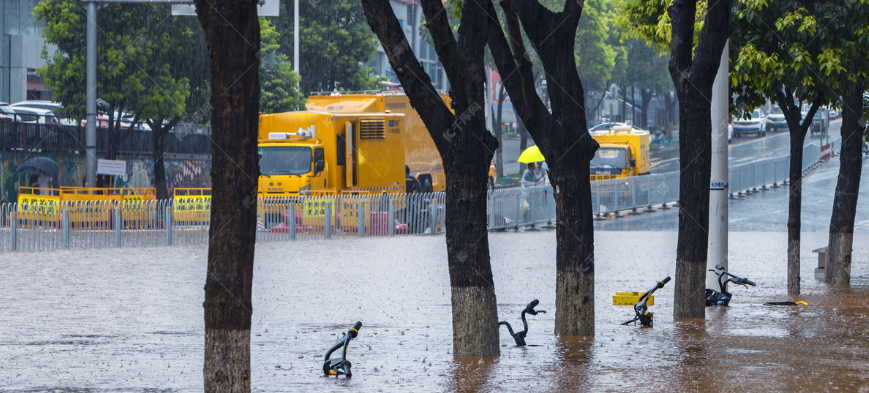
{"x":321,"y":153}
{"x":420,"y":153}
{"x":623,"y":152}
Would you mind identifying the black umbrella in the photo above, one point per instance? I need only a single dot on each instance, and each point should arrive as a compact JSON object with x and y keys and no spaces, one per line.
{"x":40,"y":166}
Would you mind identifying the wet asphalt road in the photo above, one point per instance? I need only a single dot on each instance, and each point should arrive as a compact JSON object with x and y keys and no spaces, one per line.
{"x":750,"y":148}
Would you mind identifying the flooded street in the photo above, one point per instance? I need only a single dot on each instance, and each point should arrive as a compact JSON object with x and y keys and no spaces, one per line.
{"x":132,"y":320}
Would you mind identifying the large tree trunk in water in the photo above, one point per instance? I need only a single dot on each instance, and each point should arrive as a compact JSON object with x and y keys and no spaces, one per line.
{"x":798,"y":131}
{"x":475,"y":312}
{"x":574,"y":288}
{"x":232,"y":33}
{"x":695,"y":141}
{"x":693,"y":79}
{"x":466,"y":148}
{"x":838,"y":269}
{"x":563,"y":139}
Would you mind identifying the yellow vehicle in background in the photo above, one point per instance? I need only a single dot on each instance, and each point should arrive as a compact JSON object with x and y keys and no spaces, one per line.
{"x":623,"y":152}
{"x":319,"y":153}
{"x":419,"y":151}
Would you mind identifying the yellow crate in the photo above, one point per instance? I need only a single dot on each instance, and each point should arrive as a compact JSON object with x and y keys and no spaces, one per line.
{"x":630,"y":298}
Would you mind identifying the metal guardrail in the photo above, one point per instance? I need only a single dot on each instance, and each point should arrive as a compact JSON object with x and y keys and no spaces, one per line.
{"x":95,"y":224}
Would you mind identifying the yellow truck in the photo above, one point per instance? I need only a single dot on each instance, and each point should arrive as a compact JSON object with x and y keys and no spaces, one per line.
{"x":320,"y":153}
{"x":420,"y":153}
{"x":623,"y":152}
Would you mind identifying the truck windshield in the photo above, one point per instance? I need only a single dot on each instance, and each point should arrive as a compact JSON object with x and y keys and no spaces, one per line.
{"x":609,"y":157}
{"x":285,"y":160}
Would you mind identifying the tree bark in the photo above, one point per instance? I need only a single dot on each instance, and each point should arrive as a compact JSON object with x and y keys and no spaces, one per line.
{"x":798,"y":130}
{"x":523,"y":138}
{"x":466,"y":148}
{"x":563,"y":139}
{"x":233,"y":36}
{"x":644,"y":108}
{"x":693,"y":79}
{"x":838,"y":270}
{"x":158,"y":138}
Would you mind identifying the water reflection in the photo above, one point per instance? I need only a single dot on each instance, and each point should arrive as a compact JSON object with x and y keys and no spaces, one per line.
{"x":573,"y":355}
{"x":471,"y":373}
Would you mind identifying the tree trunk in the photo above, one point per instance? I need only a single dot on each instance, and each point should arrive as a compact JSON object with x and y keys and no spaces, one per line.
{"x":695,"y":141}
{"x":232,"y":33}
{"x":798,"y":131}
{"x":523,"y":138}
{"x":574,"y":289}
{"x":838,"y":270}
{"x":693,"y":79}
{"x":466,"y":148}
{"x":158,"y":136}
{"x":563,"y":139}
{"x":644,"y":108}
{"x":475,"y":312}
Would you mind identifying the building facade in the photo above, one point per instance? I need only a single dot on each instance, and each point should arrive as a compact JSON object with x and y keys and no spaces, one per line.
{"x":21,"y":52}
{"x":409,"y":14}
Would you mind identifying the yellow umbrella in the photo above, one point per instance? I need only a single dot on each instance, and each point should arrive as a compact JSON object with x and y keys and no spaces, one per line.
{"x":531,"y":154}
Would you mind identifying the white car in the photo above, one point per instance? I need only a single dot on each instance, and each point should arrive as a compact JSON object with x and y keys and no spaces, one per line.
{"x":6,"y":113}
{"x":755,"y":124}
{"x":35,"y":116}
{"x":775,"y":120}
{"x":54,"y":107}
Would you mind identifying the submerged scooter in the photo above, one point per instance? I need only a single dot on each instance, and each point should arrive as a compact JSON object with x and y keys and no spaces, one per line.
{"x":641,"y":309}
{"x":341,"y":365}
{"x":520,"y":336}
{"x":716,"y":298}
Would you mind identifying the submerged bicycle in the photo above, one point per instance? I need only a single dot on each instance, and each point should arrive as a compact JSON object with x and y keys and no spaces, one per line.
{"x":339,"y":366}
{"x":520,"y":336}
{"x":722,"y":297}
{"x":641,"y":309}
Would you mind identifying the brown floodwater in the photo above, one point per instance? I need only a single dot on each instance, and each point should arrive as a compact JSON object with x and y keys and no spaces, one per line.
{"x":130,"y":320}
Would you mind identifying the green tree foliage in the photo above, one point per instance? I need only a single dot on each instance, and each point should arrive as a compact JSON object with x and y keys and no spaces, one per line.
{"x":777,"y":48}
{"x":278,"y":82}
{"x":132,"y":73}
{"x":778,"y":56}
{"x":335,"y":43}
{"x":648,"y":20}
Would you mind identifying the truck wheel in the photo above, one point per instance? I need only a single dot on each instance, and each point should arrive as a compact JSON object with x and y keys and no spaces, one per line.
{"x":426,"y":185}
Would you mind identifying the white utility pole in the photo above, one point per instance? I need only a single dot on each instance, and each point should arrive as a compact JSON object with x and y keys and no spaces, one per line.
{"x":296,"y":36}
{"x":719,"y":187}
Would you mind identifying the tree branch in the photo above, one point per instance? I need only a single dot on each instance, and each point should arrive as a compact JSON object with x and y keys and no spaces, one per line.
{"x":410,"y":72}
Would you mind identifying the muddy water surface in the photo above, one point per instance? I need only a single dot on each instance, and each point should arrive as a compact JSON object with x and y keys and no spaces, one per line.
{"x":131,"y":320}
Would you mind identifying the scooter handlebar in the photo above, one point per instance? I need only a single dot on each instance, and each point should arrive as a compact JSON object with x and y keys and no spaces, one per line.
{"x":530,"y":307}
{"x":664,"y":281}
{"x":355,"y":330}
{"x":747,"y":281}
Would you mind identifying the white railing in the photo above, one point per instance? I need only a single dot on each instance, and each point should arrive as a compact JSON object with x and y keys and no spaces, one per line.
{"x":94,"y":224}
